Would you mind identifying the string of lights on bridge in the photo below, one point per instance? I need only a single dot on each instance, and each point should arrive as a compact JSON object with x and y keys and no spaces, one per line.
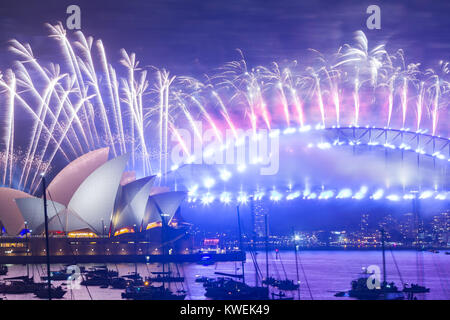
{"x":206,"y":196}
{"x":326,"y":145}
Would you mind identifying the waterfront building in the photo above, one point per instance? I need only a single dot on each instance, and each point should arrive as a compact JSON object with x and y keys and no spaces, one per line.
{"x":90,"y":199}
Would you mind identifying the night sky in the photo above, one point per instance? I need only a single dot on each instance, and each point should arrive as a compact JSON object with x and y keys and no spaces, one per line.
{"x":192,"y":37}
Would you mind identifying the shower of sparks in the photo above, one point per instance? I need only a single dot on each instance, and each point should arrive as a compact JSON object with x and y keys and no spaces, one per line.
{"x":84,"y":103}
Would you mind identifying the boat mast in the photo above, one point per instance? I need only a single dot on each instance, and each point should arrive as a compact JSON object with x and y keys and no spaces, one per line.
{"x":296,"y":263}
{"x":28,"y":249}
{"x":240,"y":241}
{"x":135,"y":249}
{"x":267,"y":248}
{"x":163,"y":247}
{"x":384,"y":256}
{"x":46,"y":238}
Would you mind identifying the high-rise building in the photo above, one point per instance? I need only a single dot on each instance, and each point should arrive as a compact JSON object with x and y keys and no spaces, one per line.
{"x":408,"y":227}
{"x":440,"y":226}
{"x":389,"y":224}
{"x":258,"y":211}
{"x":364,"y":226}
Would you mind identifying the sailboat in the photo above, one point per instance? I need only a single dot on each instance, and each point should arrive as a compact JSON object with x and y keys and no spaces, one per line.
{"x":132,"y":278}
{"x":149,"y":292}
{"x":165,"y":276}
{"x":26,"y":284}
{"x":48,"y":291}
{"x":229,"y":289}
{"x":415,"y":288}
{"x":226,"y":288}
{"x":281,"y":284}
{"x":60,"y":275}
{"x":3,"y":270}
{"x":386,"y":291}
{"x":19,"y":285}
{"x":230,"y":275}
{"x":53,"y":293}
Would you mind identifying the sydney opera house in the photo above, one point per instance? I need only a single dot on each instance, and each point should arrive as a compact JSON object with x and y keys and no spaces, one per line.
{"x":94,"y":208}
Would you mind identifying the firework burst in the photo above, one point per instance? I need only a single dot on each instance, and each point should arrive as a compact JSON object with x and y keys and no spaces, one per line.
{"x":84,"y":103}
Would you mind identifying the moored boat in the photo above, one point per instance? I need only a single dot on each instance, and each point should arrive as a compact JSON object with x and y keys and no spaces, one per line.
{"x":202,"y":279}
{"x":55,"y":293}
{"x":360,"y":288}
{"x":96,"y":281}
{"x":229,"y":289}
{"x":56,"y":275}
{"x":287,"y":285}
{"x":151,"y":293}
{"x":415,"y":288}
{"x":165,"y":278}
{"x":19,"y":285}
{"x":387,"y":291}
{"x":3,"y":270}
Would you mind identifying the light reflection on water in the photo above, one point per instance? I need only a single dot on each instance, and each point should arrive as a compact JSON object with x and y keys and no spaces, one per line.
{"x":326,"y":272}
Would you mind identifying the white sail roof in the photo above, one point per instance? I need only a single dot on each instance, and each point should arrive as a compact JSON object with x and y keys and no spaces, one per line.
{"x":165,"y":204}
{"x":132,"y":203}
{"x":32,"y":210}
{"x":63,"y":186}
{"x":67,"y":221}
{"x":94,"y":200}
{"x":151,"y":213}
{"x":10,"y":215}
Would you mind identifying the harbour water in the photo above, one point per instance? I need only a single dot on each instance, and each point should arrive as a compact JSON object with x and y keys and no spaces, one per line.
{"x":321,"y":273}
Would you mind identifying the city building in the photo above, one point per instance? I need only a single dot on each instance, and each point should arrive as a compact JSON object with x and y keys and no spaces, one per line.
{"x":258,"y":212}
{"x":440,"y":229}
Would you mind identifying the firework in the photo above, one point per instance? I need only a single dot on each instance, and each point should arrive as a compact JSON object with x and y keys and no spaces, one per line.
{"x":84,"y":104}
